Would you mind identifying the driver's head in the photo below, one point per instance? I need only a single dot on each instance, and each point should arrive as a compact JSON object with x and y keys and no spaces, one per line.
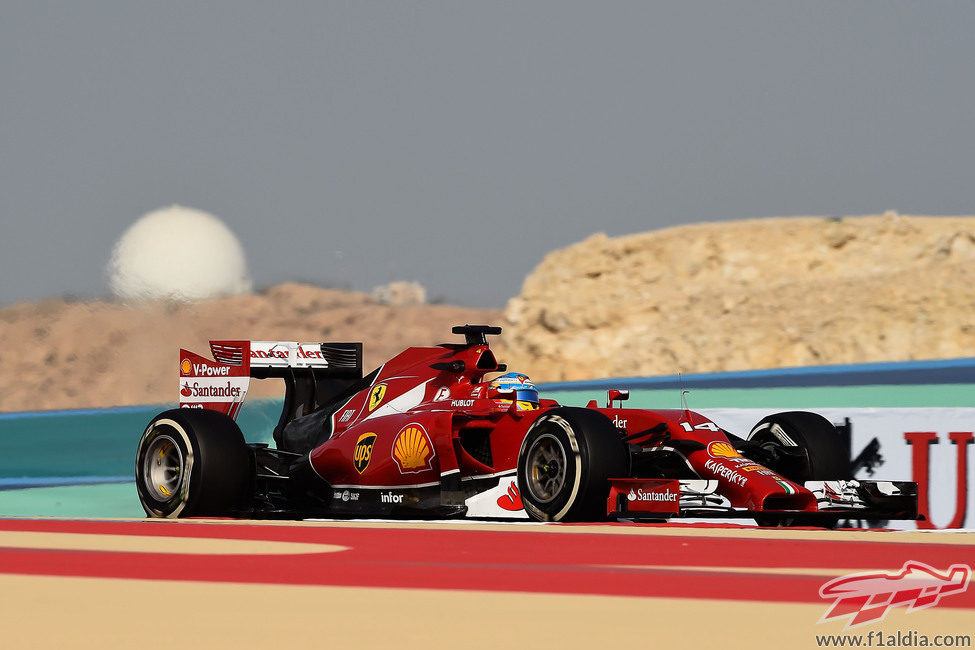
{"x":514,"y":386}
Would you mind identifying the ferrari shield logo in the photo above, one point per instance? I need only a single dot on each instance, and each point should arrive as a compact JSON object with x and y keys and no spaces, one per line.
{"x":376,"y":396}
{"x":363,"y":451}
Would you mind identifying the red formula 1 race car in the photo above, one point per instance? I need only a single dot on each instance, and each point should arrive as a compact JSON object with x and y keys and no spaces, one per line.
{"x":430,"y":435}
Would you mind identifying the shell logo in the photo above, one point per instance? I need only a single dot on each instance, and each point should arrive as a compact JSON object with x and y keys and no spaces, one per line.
{"x":722,"y":450}
{"x":412,"y":450}
{"x":185,"y":366}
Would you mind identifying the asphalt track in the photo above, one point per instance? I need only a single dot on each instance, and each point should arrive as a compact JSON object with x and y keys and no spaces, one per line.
{"x":214,"y":584}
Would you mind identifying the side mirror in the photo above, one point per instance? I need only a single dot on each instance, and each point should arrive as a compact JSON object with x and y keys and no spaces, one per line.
{"x":614,"y":395}
{"x":450,"y":366}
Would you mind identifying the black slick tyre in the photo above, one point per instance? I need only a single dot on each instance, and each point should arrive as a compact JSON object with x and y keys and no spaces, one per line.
{"x":828,"y":457}
{"x":825,"y":449}
{"x":565,"y":461}
{"x":192,"y":463}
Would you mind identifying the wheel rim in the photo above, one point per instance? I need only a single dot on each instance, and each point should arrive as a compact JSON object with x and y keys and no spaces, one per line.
{"x":163,"y":468}
{"x":547,"y":465}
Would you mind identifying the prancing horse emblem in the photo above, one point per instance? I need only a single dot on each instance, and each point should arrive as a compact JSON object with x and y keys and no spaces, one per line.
{"x":376,"y":396}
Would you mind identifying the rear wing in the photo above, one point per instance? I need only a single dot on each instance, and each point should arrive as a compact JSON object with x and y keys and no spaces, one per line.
{"x":313,"y":374}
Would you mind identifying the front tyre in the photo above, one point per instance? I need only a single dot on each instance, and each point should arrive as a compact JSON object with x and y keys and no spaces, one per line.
{"x":192,"y":463}
{"x":828,"y":457}
{"x":565,"y":463}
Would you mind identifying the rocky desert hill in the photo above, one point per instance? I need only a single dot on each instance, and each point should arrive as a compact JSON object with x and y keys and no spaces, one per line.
{"x":60,"y":354}
{"x":750,"y":294}
{"x":707,"y":297}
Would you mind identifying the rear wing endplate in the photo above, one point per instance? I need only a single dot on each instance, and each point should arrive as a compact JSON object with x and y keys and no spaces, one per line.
{"x":312,"y":373}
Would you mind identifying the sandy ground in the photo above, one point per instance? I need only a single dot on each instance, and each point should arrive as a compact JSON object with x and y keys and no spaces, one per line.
{"x":154,"y":611}
{"x":100,"y":613}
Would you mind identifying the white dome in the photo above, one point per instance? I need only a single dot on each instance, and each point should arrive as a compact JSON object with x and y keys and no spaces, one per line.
{"x":177,"y":253}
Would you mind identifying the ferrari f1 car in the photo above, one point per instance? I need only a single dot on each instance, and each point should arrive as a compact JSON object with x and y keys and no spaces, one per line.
{"x":429,"y":435}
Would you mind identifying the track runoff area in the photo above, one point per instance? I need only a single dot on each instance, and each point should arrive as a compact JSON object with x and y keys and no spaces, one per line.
{"x":212,"y":584}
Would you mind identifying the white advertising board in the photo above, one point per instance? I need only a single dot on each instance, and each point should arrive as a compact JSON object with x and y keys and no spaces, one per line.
{"x":925,"y":445}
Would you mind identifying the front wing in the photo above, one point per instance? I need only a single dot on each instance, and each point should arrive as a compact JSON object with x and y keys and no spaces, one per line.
{"x":661,"y":499}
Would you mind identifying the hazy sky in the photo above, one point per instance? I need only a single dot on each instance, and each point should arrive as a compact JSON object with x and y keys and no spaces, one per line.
{"x":350,"y":144}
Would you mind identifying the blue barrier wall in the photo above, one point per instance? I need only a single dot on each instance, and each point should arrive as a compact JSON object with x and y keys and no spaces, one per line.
{"x":80,"y":463}
{"x":939,"y":371}
{"x":947,"y":383}
{"x":92,"y":446}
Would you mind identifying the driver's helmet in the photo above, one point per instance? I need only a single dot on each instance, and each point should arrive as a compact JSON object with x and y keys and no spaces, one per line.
{"x":514,"y":386}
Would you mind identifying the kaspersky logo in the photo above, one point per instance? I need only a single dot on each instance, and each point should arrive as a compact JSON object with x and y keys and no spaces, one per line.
{"x":867,"y":597}
{"x":725,"y":472}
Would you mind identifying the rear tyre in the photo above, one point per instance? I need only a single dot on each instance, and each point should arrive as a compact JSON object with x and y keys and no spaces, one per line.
{"x":565,"y":463}
{"x":192,"y":463}
{"x":825,"y":449}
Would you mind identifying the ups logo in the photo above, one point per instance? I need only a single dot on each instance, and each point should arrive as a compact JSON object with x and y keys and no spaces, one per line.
{"x":363,"y":451}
